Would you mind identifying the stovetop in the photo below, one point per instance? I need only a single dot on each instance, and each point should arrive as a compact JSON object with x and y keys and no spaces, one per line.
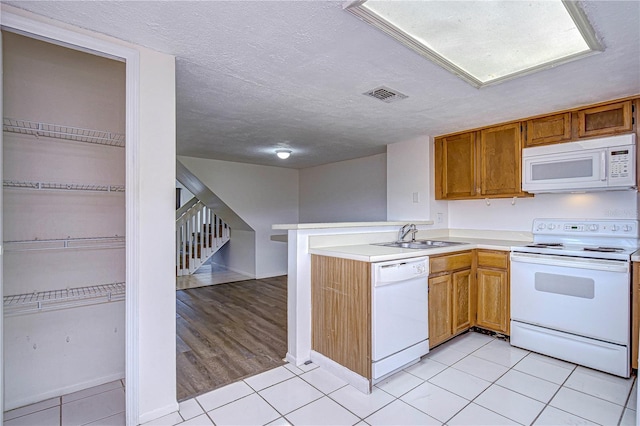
{"x":599,"y":239}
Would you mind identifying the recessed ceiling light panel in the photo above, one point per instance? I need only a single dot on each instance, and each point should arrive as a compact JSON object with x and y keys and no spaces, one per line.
{"x":485,"y":42}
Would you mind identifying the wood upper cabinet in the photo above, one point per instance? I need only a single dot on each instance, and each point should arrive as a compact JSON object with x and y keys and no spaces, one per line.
{"x":451,"y":292}
{"x":547,"y":130}
{"x":484,"y":164}
{"x":456,"y":166}
{"x":493,"y":290}
{"x":341,"y":307}
{"x":500,"y":161}
{"x":605,"y":120}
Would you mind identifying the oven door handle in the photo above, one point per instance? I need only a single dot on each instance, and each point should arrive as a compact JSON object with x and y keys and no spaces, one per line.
{"x":571,"y":262}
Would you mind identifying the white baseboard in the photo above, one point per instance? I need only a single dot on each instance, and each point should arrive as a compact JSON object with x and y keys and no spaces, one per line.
{"x":157,"y":413}
{"x":11,"y":404}
{"x":357,"y":381}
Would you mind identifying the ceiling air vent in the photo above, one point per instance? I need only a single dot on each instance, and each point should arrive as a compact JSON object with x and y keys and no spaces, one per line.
{"x":386,"y":94}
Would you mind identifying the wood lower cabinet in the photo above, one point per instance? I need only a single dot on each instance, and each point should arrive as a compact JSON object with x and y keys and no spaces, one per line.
{"x":450,"y":296}
{"x":493,"y":290}
{"x":440,"y":309}
{"x":341,"y":311}
{"x":462,"y":312}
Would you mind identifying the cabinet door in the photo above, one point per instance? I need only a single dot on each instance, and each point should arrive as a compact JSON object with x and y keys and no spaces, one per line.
{"x":341,"y":311}
{"x":500,"y":160}
{"x":493,"y":300}
{"x":463,"y":308}
{"x":548,"y":130}
{"x":605,"y":120}
{"x":439,"y":309}
{"x":456,"y":166}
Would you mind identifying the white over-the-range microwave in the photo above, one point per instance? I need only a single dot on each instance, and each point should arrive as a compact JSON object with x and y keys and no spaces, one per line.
{"x":591,"y":165}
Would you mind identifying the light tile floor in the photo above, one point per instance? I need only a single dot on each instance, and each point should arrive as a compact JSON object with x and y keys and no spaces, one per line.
{"x":102,"y":405}
{"x":474,"y":379}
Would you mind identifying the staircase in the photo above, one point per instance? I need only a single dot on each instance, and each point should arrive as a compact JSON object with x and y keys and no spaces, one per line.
{"x":200,"y":233}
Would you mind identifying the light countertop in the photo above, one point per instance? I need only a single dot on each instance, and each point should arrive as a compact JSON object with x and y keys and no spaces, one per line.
{"x":635,"y":257}
{"x":295,"y":226}
{"x":376,"y":253}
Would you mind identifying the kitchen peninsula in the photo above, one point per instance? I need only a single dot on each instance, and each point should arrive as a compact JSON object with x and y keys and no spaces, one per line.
{"x":354,"y":241}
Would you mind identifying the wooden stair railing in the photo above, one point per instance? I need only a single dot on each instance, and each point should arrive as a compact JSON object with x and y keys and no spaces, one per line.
{"x":200,"y":233}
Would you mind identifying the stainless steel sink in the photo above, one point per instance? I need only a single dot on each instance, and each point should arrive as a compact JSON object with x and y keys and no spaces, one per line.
{"x":419,"y":244}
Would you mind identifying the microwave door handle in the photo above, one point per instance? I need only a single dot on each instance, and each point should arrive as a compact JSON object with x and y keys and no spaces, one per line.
{"x":603,"y":165}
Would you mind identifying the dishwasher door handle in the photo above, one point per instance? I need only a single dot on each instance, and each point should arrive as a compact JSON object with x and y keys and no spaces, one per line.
{"x":386,"y":283}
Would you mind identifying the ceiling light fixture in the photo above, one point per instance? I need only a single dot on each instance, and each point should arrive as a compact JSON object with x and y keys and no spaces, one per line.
{"x":485,"y":42}
{"x":283,"y":153}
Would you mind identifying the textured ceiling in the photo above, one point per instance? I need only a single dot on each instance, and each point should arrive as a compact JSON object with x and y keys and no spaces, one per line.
{"x":255,"y":76}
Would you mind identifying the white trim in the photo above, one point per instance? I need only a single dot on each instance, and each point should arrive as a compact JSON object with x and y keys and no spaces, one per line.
{"x":354,"y":379}
{"x":157,"y":414}
{"x":1,"y":244}
{"x":86,"y":43}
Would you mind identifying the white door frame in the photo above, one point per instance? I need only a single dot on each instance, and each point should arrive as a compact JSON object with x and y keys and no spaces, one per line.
{"x":86,"y":43}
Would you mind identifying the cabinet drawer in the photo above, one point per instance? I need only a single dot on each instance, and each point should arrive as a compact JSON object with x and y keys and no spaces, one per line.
{"x":493,"y":259}
{"x":450,"y":262}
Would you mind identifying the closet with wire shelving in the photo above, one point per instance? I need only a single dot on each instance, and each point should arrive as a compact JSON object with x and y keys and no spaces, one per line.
{"x":63,"y":216}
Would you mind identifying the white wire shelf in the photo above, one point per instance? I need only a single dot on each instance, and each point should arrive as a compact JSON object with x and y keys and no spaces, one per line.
{"x":65,"y":243}
{"x":62,"y":299}
{"x":59,"y":131}
{"x":62,"y":186}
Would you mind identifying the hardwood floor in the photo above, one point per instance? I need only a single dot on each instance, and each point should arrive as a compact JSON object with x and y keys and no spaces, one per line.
{"x":227,"y":332}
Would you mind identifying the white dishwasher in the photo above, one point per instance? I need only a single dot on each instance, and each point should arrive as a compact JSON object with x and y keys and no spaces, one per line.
{"x":400,"y":315}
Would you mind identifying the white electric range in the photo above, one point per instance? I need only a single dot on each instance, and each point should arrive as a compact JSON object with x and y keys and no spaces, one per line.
{"x":570,"y":291}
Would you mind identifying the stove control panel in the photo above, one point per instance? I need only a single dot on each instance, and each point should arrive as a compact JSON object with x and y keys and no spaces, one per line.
{"x":603,"y":228}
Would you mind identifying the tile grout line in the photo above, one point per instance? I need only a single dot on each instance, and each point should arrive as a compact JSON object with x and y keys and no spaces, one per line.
{"x":425,"y":381}
{"x":562,"y":385}
{"x":495,"y":383}
{"x":492,"y":383}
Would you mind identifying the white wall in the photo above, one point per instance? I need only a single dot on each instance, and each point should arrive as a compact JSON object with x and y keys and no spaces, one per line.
{"x":346,"y":191}
{"x":239,"y":254}
{"x":502,"y":215}
{"x":261,"y":196}
{"x":409,"y":176}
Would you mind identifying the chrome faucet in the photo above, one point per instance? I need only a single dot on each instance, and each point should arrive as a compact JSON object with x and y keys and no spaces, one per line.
{"x":405,"y":230}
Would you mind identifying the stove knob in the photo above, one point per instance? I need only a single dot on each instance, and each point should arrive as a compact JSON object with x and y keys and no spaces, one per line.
{"x":626,"y":228}
{"x":541,"y":226}
{"x":593,"y":227}
{"x":552,"y":227}
{"x":615,"y":228}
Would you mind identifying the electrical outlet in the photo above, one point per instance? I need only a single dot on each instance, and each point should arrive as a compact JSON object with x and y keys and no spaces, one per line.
{"x":440,"y":217}
{"x":416,"y":197}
